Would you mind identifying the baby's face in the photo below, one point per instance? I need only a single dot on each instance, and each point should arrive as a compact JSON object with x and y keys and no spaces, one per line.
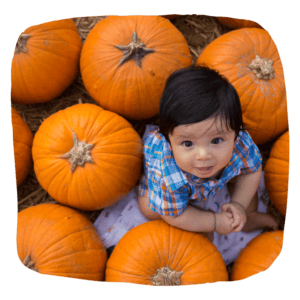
{"x":202,"y":149}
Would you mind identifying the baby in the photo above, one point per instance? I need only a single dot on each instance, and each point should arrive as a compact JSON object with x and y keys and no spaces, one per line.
{"x":201,"y":147}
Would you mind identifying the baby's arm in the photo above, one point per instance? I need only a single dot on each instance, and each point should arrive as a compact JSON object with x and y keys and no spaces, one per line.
{"x":196,"y":220}
{"x":246,"y":186}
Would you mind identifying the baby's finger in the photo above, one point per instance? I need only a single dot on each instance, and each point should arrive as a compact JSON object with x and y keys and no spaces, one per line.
{"x":236,"y":222}
{"x":238,"y":228}
{"x":226,"y":207}
{"x":228,"y":215}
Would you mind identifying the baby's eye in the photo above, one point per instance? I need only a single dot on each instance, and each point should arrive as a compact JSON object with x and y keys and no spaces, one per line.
{"x":187,"y":144}
{"x":217,"y":141}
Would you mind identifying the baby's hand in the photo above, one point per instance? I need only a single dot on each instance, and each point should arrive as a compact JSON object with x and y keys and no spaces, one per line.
{"x":238,"y":213}
{"x":224,"y":221}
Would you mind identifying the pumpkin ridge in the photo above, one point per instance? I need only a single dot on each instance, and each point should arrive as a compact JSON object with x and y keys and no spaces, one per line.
{"x":113,"y":154}
{"x":196,"y":263}
{"x":23,"y":77}
{"x":139,"y":262}
{"x":156,"y":248}
{"x":261,"y":114}
{"x":185,"y":250}
{"x":279,"y":159}
{"x":246,"y":109}
{"x":108,"y":189}
{"x":67,"y":255}
{"x":165,"y":55}
{"x":90,"y":138}
{"x":45,"y":233}
{"x":126,"y":273}
{"x":24,"y":248}
{"x":59,"y":168}
{"x":41,"y":31}
{"x":109,"y":136}
{"x":34,"y":70}
{"x":57,"y":241}
{"x":74,"y":275}
{"x":165,"y":49}
{"x":156,"y":36}
{"x":154,"y":29}
{"x":252,"y":264}
{"x":62,"y":257}
{"x":91,"y":190}
{"x":35,"y":226}
{"x":32,"y":46}
{"x":36,"y":56}
{"x":127,"y":102}
{"x":23,"y":144}
{"x":39,"y":37}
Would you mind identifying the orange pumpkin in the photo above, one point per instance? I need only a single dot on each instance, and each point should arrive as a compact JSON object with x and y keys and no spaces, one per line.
{"x":46,"y":61}
{"x":22,"y":139}
{"x":249,"y":59}
{"x":87,"y":157}
{"x":233,"y":23}
{"x":258,"y":255}
{"x":57,"y":240}
{"x":277,"y":173}
{"x":156,"y":253}
{"x":126,"y":60}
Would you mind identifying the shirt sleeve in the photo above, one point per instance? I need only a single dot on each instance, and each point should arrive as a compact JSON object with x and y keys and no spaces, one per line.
{"x":249,"y":154}
{"x":166,"y":202}
{"x":152,"y":184}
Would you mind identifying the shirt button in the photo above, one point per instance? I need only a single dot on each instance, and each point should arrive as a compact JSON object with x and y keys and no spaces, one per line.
{"x":211,"y":184}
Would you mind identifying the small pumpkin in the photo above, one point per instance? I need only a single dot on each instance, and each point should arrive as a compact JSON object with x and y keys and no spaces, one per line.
{"x":45,"y":62}
{"x":234,"y":23}
{"x":249,"y":59}
{"x":156,"y":253}
{"x":277,"y":173}
{"x":126,"y":60}
{"x":258,"y":255}
{"x":57,"y":240}
{"x":22,"y":139}
{"x":87,"y":157}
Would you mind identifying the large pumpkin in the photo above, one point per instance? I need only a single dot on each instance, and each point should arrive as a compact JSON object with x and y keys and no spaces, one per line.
{"x":258,"y":255}
{"x":126,"y":60}
{"x":277,"y":173}
{"x":87,"y":157}
{"x":57,"y":240}
{"x":249,"y":58}
{"x":46,"y":61}
{"x":156,"y":253}
{"x":22,"y":139}
{"x":233,"y":23}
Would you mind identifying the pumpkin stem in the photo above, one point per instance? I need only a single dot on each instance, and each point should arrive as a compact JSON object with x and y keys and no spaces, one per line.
{"x":262,"y":68}
{"x":21,"y":43}
{"x":29,"y":263}
{"x":166,"y":276}
{"x":79,"y":154}
{"x":134,"y":50}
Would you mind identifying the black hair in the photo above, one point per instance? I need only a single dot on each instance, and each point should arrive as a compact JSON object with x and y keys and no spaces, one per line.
{"x":196,"y":93}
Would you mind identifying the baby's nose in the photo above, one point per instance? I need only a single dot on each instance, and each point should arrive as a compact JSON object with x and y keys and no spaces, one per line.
{"x":203,"y":153}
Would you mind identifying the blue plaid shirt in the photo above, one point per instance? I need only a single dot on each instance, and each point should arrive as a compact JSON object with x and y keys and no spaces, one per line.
{"x":171,"y":189}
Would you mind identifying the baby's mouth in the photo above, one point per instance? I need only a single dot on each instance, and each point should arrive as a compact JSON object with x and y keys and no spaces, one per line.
{"x":204,"y":168}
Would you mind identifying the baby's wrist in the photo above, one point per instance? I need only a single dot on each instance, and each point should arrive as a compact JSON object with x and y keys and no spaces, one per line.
{"x":242,"y":206}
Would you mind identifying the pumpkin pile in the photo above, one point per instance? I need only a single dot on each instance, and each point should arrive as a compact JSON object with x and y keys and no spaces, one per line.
{"x":99,"y":90}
